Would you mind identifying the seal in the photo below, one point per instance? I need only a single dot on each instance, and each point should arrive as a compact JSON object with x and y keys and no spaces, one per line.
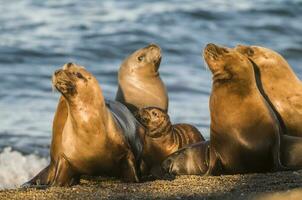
{"x":139,"y":82}
{"x":190,"y":160}
{"x":161,"y":137}
{"x":244,"y":131}
{"x":277,"y":77}
{"x":96,"y":135}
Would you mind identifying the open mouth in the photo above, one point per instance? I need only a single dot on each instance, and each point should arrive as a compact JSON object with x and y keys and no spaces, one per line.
{"x":157,"y":62}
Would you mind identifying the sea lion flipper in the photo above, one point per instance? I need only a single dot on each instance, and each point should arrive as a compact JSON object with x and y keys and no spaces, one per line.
{"x":214,"y":164}
{"x":39,"y":179}
{"x":65,"y":174}
{"x":128,"y":170}
{"x":42,"y":178}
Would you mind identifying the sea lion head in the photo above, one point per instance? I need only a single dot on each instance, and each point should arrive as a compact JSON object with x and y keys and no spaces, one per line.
{"x":74,"y":81}
{"x":156,"y":120}
{"x":265,"y":58}
{"x":228,"y":66}
{"x":143,"y":61}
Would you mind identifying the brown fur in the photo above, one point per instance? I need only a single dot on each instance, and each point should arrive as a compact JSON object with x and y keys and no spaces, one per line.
{"x":190,"y":160}
{"x":162,"y":138}
{"x":89,"y":141}
{"x":245,"y":135}
{"x":282,"y":88}
{"x":139,"y":81}
{"x":280,"y":84}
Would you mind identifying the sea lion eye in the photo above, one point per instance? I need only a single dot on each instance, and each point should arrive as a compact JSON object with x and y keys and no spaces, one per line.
{"x":140,"y":58}
{"x":79,"y":75}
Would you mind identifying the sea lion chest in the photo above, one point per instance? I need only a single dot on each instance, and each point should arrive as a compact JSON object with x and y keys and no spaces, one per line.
{"x":86,"y":150}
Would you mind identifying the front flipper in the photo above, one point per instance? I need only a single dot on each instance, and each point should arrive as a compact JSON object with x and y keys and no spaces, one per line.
{"x":65,"y":174}
{"x":128,"y":169}
{"x":43,"y":178}
{"x":215,"y":166}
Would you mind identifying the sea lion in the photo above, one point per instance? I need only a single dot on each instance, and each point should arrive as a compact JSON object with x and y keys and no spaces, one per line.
{"x":280,"y":85}
{"x":244,"y":131}
{"x":161,"y":137}
{"x":291,"y":146}
{"x":95,"y":137}
{"x":291,"y":152}
{"x":139,"y":82}
{"x":190,"y":160}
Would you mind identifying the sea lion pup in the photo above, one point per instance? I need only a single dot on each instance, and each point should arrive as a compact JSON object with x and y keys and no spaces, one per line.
{"x":139,"y":82}
{"x":161,"y":137}
{"x":190,"y":160}
{"x":93,"y":141}
{"x":244,"y":132}
{"x":280,"y":85}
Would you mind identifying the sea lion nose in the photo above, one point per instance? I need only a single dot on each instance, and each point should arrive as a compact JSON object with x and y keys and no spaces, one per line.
{"x":153,"y":46}
{"x":57,"y":71}
{"x":67,"y":65}
{"x":211,"y":47}
{"x":215,"y":49}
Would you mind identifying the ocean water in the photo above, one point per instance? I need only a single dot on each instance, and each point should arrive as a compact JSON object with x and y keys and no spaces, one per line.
{"x":37,"y":37}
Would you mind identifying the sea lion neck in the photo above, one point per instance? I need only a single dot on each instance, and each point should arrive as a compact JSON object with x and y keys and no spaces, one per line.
{"x":278,"y":71}
{"x":162,"y":130}
{"x":86,"y":114}
{"x":237,"y":87}
{"x":138,"y":73}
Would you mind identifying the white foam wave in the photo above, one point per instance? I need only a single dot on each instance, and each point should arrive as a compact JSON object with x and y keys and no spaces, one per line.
{"x":15,"y":168}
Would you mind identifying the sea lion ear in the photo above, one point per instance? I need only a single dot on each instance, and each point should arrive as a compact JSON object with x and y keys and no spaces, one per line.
{"x":250,"y":51}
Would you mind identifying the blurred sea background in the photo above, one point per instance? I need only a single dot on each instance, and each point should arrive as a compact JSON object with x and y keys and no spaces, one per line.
{"x":37,"y":37}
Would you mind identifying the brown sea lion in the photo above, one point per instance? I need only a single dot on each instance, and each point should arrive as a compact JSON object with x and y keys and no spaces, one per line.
{"x":280,"y":84}
{"x":244,"y":131}
{"x":194,"y":159}
{"x":190,"y":160}
{"x":162,"y":138}
{"x":139,"y":81}
{"x":291,"y":152}
{"x":93,"y":140}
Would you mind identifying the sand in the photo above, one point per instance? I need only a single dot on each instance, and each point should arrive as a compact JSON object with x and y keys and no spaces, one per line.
{"x":269,"y":186}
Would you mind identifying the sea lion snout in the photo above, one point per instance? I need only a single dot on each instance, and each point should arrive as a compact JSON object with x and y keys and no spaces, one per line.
{"x":144,"y":116}
{"x":62,"y":81}
{"x":57,"y":72}
{"x":153,"y":46}
{"x":214,"y":51}
{"x":70,"y":78}
{"x":214,"y":56}
{"x":68,"y":65}
{"x":154,"y":54}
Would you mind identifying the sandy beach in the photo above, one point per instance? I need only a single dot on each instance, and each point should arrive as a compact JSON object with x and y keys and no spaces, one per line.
{"x":281,"y":185}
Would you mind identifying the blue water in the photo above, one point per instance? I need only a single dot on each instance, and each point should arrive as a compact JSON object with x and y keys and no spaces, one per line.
{"x":37,"y":37}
